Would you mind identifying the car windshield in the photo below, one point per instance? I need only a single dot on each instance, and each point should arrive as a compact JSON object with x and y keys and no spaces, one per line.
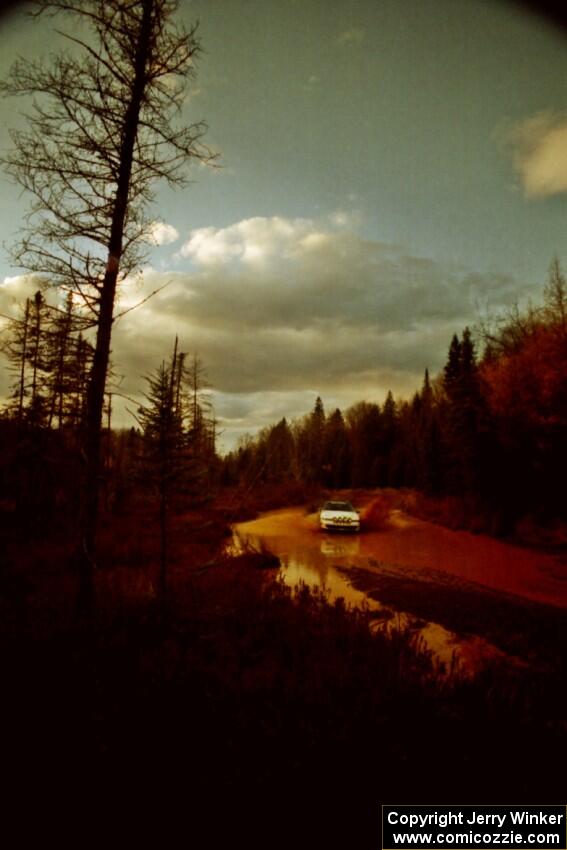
{"x":338,"y":506}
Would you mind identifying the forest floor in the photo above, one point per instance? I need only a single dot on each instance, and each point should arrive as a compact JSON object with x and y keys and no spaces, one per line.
{"x":244,"y":688}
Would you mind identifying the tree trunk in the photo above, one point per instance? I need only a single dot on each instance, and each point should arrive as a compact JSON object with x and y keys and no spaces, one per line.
{"x":38,"y":302}
{"x":97,"y":381}
{"x":163,"y":516}
{"x":22,"y":386}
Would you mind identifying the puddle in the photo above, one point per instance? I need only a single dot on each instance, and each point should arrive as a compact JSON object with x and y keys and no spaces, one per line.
{"x":410,"y":550}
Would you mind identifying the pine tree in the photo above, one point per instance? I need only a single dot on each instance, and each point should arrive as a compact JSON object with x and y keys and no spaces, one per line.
{"x":80,"y":360}
{"x":463,"y":416}
{"x":452,"y":370}
{"x":389,"y":429}
{"x":315,"y":426}
{"x":280,"y":453}
{"x":336,"y":452}
{"x":429,"y":460}
{"x":26,"y":349}
{"x":58,"y":349}
{"x":364,"y":422}
{"x":193,"y":392}
{"x":16,"y":349}
{"x":164,"y":450}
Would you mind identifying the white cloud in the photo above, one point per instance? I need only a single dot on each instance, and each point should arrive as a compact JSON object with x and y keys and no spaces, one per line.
{"x":160,"y":233}
{"x":539,"y":150}
{"x":251,"y":241}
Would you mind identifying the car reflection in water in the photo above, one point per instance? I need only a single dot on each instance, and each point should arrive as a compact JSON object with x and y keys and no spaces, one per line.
{"x":340,"y":547}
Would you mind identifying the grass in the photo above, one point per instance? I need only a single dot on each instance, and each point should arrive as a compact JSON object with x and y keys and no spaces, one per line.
{"x":250,"y":686}
{"x":533,"y":631}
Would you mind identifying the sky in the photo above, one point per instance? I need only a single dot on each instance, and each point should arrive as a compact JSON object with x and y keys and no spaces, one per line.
{"x":390,"y":171}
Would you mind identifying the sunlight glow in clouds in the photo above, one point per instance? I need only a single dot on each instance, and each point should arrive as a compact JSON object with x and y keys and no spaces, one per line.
{"x":253,"y":240}
{"x":14,"y":290}
{"x":539,"y":147}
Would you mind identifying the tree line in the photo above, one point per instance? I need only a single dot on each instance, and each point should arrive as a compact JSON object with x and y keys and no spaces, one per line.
{"x":490,"y":429}
{"x":43,"y":419}
{"x":49,"y":358}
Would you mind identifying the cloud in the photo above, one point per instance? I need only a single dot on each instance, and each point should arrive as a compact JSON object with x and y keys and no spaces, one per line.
{"x":300,"y":276}
{"x":345,"y":218}
{"x":160,"y":233}
{"x":539,"y":151}
{"x":14,"y":291}
{"x":353,"y":35}
{"x":283,"y":309}
{"x":251,"y":241}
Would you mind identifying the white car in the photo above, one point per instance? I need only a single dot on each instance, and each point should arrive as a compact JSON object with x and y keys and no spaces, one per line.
{"x":339,"y":515}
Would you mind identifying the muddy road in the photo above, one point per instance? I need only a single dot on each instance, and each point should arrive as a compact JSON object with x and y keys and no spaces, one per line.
{"x":471,"y":598}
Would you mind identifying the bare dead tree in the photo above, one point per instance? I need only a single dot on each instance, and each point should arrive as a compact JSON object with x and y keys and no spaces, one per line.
{"x":37,"y":346}
{"x":198,"y":400}
{"x":59,"y":344}
{"x":17,"y":350}
{"x":102,"y":129}
{"x":555,"y":297}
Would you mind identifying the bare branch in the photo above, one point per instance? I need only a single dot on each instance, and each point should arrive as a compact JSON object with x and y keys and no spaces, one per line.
{"x":143,"y":301}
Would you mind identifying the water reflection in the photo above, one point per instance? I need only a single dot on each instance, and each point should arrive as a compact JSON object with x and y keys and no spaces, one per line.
{"x":340,"y":546}
{"x":408,"y":548}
